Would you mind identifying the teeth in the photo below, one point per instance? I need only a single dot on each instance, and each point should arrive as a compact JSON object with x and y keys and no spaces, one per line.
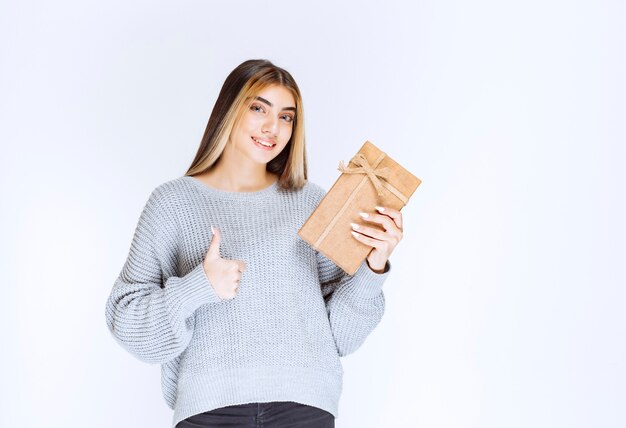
{"x":263,"y":143}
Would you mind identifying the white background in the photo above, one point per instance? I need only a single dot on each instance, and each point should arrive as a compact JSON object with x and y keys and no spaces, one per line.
{"x":506,"y":304}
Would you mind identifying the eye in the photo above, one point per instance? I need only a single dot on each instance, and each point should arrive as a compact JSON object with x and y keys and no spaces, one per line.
{"x":287,"y":117}
{"x":257,"y":108}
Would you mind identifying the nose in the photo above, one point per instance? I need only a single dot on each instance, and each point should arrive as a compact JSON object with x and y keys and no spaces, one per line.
{"x":270,"y":126}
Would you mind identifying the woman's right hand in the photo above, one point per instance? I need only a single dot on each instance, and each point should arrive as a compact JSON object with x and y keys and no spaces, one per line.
{"x":223,"y":274}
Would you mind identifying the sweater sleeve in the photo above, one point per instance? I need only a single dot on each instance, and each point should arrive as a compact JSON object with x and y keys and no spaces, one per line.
{"x":355,"y":303}
{"x":150,"y":311}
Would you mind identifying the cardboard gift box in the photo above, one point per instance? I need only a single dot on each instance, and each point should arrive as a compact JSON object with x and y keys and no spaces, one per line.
{"x":371,"y":179}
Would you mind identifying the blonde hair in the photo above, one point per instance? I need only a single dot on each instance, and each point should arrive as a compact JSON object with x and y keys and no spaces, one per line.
{"x":242,"y":85}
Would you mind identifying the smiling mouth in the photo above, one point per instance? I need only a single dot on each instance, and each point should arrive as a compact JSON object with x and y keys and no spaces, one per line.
{"x":263,"y":144}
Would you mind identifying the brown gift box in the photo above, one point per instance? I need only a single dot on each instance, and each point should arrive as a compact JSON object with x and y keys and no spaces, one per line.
{"x":371,"y":179}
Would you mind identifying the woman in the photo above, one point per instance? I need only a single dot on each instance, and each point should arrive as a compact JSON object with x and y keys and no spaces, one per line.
{"x":247,"y":320}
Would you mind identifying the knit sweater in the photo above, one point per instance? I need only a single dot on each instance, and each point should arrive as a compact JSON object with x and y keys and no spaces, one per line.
{"x":279,"y":339}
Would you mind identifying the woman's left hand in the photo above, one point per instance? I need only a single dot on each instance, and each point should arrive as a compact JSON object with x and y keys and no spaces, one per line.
{"x":383,"y":242}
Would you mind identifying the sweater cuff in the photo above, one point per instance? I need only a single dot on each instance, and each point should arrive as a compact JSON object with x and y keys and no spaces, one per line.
{"x":190,"y":292}
{"x":366,"y":283}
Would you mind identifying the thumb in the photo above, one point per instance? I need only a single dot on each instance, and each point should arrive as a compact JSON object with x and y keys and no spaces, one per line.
{"x":214,"y":249}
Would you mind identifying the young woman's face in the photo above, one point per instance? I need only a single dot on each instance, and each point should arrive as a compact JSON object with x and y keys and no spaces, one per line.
{"x":266,"y":125}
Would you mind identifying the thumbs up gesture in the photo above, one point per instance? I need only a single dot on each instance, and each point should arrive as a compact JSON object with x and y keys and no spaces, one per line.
{"x":223,"y":274}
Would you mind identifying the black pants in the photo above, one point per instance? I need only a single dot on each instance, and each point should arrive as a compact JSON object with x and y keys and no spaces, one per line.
{"x":277,"y":414}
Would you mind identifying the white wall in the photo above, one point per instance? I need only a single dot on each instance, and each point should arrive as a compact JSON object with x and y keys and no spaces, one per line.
{"x":505,"y":307}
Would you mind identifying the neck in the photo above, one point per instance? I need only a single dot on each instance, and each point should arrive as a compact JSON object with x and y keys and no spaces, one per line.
{"x":238,"y":175}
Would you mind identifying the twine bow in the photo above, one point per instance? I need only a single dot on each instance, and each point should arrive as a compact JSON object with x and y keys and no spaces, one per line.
{"x":364,"y":167}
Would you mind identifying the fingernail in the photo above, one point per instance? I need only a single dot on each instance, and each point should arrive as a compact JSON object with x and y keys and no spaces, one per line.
{"x":354,"y":226}
{"x":212,"y":230}
{"x":381,"y":209}
{"x":356,"y":235}
{"x":364,"y":215}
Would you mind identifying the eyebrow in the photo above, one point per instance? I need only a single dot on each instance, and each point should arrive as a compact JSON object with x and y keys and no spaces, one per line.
{"x":263,"y":100}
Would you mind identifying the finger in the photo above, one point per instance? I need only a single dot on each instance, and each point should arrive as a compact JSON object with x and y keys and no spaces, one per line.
{"x":387,"y":222}
{"x":376,"y":243}
{"x":241,"y":265}
{"x":394,"y":214}
{"x":236,"y":276}
{"x":214,"y":248}
{"x":370,"y":231}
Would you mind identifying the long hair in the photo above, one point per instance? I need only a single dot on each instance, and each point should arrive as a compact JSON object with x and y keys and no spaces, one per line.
{"x":242,"y":85}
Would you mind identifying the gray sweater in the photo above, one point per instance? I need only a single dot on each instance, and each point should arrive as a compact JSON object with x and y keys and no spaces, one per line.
{"x":279,"y":339}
